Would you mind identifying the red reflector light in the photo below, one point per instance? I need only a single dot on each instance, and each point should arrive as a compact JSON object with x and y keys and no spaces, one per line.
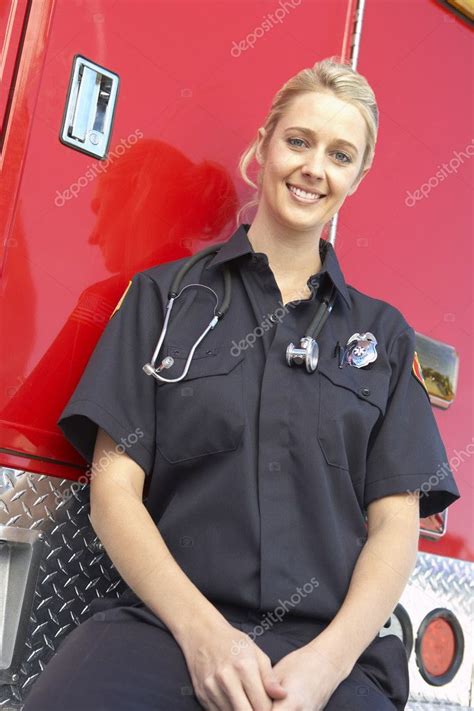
{"x":438,"y":647}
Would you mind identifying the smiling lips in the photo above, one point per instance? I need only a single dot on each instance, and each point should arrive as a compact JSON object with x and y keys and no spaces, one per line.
{"x":303,"y":195}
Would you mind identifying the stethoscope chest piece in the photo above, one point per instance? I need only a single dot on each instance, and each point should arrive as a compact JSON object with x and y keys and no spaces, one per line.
{"x":308,"y":353}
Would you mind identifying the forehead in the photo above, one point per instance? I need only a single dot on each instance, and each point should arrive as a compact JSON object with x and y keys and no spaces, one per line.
{"x":327,"y":115}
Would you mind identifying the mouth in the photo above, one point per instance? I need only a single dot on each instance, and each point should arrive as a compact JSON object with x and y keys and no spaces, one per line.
{"x":304,"y":195}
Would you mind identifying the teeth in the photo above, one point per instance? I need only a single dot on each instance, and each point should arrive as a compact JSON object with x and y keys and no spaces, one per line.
{"x":303,"y":193}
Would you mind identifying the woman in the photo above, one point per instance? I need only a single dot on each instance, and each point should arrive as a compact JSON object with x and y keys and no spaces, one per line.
{"x":254,"y":580}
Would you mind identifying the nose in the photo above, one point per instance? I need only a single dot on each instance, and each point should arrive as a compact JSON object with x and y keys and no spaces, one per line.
{"x":314,"y":165}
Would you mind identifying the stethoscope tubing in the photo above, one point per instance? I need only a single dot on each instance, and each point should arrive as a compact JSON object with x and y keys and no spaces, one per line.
{"x":307,"y":353}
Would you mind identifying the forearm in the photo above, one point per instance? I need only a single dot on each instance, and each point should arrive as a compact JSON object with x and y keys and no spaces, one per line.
{"x":144,"y":561}
{"x":378,"y":580}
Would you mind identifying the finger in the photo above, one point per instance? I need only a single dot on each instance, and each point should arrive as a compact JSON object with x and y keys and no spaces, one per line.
{"x":274,"y":687}
{"x":215,"y":699}
{"x":254,"y":687}
{"x":227,"y":692}
{"x":208,"y":705}
{"x":270,"y":679}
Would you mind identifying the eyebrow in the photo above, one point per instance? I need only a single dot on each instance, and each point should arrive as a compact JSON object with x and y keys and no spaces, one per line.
{"x":312,"y":134}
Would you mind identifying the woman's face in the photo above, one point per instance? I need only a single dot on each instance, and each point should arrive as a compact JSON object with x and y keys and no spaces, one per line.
{"x":317,"y":159}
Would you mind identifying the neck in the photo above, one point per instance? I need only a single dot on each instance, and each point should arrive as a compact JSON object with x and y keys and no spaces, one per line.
{"x":293,"y":255}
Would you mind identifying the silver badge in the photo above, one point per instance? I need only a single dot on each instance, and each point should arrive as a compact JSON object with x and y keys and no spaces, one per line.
{"x":360,"y":349}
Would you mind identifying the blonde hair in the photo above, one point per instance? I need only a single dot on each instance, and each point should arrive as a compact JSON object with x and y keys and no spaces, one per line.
{"x":328,"y":75}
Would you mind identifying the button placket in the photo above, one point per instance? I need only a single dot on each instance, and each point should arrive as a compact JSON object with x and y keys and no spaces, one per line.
{"x":275,"y":482}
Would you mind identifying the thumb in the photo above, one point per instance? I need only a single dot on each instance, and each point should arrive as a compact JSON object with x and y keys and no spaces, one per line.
{"x":273,"y":686}
{"x":270,"y":680}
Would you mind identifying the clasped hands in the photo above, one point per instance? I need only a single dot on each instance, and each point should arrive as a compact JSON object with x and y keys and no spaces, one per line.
{"x":231,"y":673}
{"x":309,"y":678}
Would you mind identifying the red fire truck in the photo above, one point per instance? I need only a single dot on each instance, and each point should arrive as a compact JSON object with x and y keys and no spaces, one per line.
{"x":121,"y":121}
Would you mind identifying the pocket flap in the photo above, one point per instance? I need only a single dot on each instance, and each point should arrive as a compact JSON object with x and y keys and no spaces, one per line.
{"x":370,"y":383}
{"x":206,"y":361}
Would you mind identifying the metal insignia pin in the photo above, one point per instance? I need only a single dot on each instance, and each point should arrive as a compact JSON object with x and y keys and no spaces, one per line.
{"x":360,"y":349}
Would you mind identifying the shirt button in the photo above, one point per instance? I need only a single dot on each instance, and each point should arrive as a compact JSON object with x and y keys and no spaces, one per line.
{"x":273,"y":318}
{"x":365,"y":391}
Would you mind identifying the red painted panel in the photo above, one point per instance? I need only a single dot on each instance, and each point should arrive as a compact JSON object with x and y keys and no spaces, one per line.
{"x":417,"y":253}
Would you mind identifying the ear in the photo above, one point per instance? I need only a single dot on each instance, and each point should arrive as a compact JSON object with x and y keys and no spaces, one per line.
{"x":260,"y":138}
{"x":358,"y":181}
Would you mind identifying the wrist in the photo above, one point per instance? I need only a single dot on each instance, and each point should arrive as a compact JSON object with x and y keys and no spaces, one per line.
{"x":336,"y":654}
{"x":197,"y":624}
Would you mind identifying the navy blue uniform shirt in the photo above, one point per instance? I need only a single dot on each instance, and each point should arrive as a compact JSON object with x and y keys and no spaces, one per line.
{"x":258,"y":475}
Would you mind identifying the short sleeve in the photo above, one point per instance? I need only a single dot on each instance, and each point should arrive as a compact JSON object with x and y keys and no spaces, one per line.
{"x":114,"y":392}
{"x":405,"y":450}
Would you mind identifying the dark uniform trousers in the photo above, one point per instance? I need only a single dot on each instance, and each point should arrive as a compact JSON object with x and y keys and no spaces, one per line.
{"x":126,"y":658}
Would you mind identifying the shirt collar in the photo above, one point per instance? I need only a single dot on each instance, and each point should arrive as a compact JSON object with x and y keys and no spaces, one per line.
{"x":239,"y":244}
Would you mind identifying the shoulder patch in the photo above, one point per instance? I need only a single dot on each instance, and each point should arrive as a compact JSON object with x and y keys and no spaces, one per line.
{"x":417,"y":372}
{"x":120,"y":301}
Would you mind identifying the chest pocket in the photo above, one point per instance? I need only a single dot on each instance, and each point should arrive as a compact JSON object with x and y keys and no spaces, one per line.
{"x":202,"y":414}
{"x":351,"y":400}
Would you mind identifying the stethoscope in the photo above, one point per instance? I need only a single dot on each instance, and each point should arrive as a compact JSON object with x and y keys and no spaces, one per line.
{"x":307,"y":353}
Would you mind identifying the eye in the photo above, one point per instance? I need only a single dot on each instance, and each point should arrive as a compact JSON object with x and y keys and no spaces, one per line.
{"x":345,"y":158}
{"x":295,"y":139}
{"x":348,"y":158}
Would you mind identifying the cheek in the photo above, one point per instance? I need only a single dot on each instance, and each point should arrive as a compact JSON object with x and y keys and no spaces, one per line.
{"x":341,"y":184}
{"x":348,"y":179}
{"x":280,"y":164}
{"x":274,"y":177}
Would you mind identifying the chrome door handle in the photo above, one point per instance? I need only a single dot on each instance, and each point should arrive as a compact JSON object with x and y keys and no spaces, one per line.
{"x":90,"y":108}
